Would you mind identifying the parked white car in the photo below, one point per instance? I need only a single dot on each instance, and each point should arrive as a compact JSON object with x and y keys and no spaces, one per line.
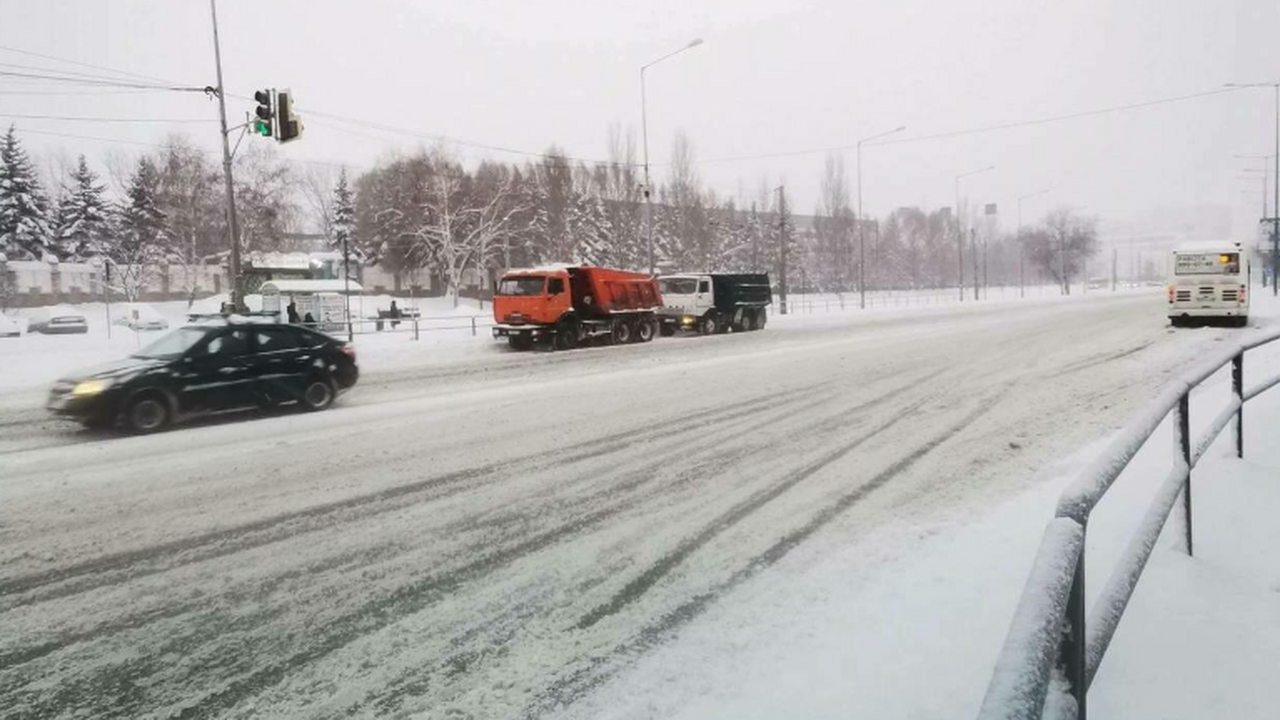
{"x":57,"y":320}
{"x":10,"y":326}
{"x":138,"y":316}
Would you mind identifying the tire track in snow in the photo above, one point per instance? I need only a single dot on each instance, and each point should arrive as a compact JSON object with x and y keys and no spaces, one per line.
{"x":109,"y":683}
{"x":598,"y":670}
{"x":158,"y":558}
{"x":634,"y":589}
{"x":419,"y":596}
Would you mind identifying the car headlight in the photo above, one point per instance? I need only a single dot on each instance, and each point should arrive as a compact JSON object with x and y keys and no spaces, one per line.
{"x":90,"y":387}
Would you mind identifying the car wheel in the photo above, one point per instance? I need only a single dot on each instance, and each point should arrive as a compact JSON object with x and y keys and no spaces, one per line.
{"x":318,"y":395}
{"x":147,"y":413}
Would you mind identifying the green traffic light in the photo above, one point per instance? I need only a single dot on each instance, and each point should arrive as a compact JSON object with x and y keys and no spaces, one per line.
{"x":262,"y":127}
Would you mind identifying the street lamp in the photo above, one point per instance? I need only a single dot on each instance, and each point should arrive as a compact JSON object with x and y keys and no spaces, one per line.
{"x":1022,"y":249}
{"x":644,"y":129}
{"x":862,"y":234}
{"x":1275,"y":206}
{"x":959,"y":227}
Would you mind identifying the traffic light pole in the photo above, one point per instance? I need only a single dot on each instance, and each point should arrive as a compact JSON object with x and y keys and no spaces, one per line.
{"x":233,"y":228}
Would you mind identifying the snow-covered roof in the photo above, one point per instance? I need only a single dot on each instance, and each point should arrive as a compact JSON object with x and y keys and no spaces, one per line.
{"x":548,"y":268}
{"x":312,"y":286}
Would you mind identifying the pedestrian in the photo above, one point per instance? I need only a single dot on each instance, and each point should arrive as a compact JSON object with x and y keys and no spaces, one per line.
{"x":308,"y":321}
{"x":293,"y":314}
{"x":395,"y":314}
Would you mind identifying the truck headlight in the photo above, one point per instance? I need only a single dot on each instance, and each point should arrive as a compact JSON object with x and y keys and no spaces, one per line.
{"x":90,"y":387}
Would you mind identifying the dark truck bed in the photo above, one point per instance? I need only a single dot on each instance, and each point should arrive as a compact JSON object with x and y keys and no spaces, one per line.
{"x":733,"y":291}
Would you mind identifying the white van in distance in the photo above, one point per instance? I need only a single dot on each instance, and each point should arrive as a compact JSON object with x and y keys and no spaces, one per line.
{"x":1209,"y":280}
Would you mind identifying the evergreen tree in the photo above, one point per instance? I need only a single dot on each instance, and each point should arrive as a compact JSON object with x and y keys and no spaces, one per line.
{"x":344,"y":217}
{"x":141,"y":232}
{"x":24,"y":209}
{"x":81,"y":218}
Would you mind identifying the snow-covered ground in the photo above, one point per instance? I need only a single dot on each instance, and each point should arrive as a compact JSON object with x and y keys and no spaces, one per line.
{"x":830,"y":518}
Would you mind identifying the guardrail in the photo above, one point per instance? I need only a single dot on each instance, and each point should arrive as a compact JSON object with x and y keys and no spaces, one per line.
{"x":1053,"y":649}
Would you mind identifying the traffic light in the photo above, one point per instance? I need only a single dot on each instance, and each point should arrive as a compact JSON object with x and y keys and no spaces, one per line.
{"x":290,"y":123}
{"x":264,"y":112}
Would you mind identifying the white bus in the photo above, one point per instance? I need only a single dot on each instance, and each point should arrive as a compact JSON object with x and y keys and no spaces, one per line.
{"x":1209,"y":280}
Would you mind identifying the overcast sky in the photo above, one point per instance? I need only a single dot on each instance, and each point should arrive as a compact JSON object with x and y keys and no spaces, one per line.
{"x":772,"y":77}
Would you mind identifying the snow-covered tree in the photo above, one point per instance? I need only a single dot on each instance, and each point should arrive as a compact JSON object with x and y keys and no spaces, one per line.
{"x":82,"y":224}
{"x":140,"y":244}
{"x":24,"y":209}
{"x":343,"y":212}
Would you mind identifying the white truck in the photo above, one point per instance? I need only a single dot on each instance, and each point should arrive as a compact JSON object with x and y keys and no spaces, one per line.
{"x":1209,"y":280}
{"x":712,"y":303}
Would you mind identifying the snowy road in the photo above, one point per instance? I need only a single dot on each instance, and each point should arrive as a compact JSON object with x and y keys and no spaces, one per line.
{"x":499,"y":536}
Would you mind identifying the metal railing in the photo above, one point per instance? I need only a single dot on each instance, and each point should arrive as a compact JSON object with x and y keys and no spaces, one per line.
{"x":412,"y":325}
{"x":1053,"y":650}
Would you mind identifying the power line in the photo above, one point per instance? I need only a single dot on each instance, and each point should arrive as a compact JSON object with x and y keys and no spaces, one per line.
{"x":103,"y":68}
{"x":79,"y":118}
{"x":977,"y":130}
{"x":96,"y":83}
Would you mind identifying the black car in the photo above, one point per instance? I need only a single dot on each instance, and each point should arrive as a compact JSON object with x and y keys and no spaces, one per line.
{"x":209,"y":367}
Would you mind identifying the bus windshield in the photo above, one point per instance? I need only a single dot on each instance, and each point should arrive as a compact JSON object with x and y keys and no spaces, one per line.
{"x":1208,"y":263}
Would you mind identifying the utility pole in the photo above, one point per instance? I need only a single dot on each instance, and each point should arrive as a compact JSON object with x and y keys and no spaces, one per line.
{"x":960,"y":227}
{"x":644,"y":130}
{"x":862,"y":232}
{"x":782,"y":237}
{"x":973,"y":243}
{"x":1113,"y":268}
{"x":1275,"y":206}
{"x":233,"y":227}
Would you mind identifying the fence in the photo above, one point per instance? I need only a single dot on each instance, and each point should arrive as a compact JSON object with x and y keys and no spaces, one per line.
{"x":805,"y":303}
{"x":1053,"y":650}
{"x":416,"y":325}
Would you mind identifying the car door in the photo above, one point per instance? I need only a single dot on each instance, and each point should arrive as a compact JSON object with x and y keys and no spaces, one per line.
{"x":218,"y":373}
{"x":280,"y":363}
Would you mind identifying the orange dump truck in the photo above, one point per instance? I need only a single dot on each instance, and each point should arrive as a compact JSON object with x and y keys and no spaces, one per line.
{"x":566,"y":306}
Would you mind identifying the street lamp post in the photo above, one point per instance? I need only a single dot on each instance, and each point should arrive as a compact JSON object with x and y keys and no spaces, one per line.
{"x":862,"y":233}
{"x":1275,"y":206}
{"x":644,"y":130}
{"x":960,"y":228}
{"x":1022,"y":249}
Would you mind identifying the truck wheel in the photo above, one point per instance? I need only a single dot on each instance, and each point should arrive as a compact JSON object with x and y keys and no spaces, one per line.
{"x":644,"y":331}
{"x":566,"y":335}
{"x":748,"y":321}
{"x":520,"y":342}
{"x":667,"y":329}
{"x":761,"y":316}
{"x":709,"y":325}
{"x":621,"y":332}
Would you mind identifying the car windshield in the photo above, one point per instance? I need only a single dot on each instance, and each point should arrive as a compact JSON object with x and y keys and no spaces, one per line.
{"x":174,"y":343}
{"x":678,"y":286}
{"x":527,"y":285}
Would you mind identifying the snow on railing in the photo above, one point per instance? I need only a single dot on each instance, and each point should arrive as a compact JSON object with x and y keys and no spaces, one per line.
{"x":1049,"y":660}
